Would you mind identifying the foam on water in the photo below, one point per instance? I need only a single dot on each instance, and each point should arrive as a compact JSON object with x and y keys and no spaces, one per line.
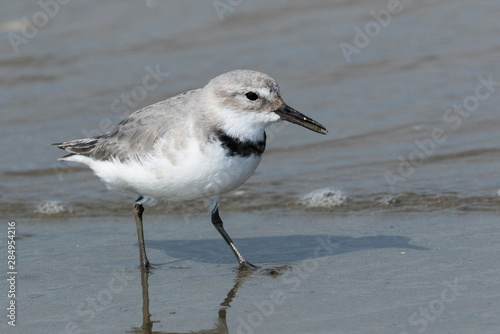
{"x":323,"y":198}
{"x":52,"y":208}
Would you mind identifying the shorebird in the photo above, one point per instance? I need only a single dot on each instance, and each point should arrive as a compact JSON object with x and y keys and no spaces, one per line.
{"x":196,"y":145}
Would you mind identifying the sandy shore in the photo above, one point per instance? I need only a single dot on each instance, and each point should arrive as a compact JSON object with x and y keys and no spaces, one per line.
{"x":321,"y":273}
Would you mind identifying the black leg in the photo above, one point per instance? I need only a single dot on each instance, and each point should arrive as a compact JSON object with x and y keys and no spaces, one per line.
{"x":138,"y":210}
{"x":244,"y":264}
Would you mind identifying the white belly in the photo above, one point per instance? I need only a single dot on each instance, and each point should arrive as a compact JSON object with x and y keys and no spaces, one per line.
{"x":192,"y":172}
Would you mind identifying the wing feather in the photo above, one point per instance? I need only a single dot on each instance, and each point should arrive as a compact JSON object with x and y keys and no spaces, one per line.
{"x":136,"y":135}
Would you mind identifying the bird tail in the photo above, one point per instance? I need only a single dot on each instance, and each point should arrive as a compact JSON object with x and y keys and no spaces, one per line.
{"x":78,"y":147}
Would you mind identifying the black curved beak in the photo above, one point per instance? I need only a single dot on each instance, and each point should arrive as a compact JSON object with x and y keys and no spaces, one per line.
{"x":291,"y":115}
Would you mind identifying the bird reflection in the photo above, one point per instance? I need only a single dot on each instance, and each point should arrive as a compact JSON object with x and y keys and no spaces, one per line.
{"x":220,"y":326}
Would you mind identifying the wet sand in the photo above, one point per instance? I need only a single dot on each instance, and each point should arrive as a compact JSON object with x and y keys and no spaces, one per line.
{"x":320,"y":273}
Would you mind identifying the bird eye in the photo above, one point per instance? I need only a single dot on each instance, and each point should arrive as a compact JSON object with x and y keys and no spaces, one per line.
{"x":252,"y":96}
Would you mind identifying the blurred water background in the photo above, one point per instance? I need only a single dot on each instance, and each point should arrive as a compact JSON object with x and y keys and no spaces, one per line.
{"x":409,"y":92}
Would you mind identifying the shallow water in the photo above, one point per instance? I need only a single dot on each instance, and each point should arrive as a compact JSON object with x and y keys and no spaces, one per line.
{"x":320,"y":273}
{"x":410,"y":100}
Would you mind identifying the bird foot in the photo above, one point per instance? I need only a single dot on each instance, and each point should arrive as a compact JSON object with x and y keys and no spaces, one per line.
{"x":245,"y":265}
{"x":147,"y":267}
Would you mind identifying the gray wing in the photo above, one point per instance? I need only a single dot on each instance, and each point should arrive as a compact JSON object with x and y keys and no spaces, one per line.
{"x":137,"y":134}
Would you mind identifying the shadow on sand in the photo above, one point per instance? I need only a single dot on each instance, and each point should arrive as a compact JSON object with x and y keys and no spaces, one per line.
{"x":278,"y":249}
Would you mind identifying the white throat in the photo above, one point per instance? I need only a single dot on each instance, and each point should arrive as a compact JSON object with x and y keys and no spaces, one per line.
{"x":246,"y":124}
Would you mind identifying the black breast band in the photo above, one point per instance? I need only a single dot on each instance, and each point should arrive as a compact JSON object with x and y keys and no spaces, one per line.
{"x":236,"y":147}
